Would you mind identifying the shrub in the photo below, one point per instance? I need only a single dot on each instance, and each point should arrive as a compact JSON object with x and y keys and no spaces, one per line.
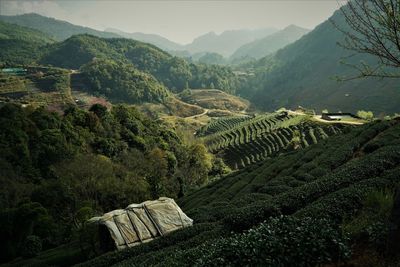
{"x":366,"y":115}
{"x":274,"y":189}
{"x":31,"y":246}
{"x":281,"y":241}
{"x":371,"y":222}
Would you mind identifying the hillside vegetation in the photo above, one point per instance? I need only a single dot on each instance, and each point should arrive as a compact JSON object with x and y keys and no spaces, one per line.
{"x":177,"y":74}
{"x":303,"y":73}
{"x":246,"y":140}
{"x":122,"y":82}
{"x":20,"y":45}
{"x":331,"y":180}
{"x":57,"y":171}
{"x":121,"y":69}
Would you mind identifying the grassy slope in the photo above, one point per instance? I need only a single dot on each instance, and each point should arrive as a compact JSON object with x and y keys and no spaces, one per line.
{"x":327,"y":179}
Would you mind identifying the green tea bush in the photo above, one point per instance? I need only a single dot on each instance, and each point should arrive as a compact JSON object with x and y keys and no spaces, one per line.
{"x":31,"y":247}
{"x":281,"y":241}
{"x":178,"y":240}
{"x":377,"y":235}
{"x":318,"y":172}
{"x":371,"y":223}
{"x":243,"y":218}
{"x":274,"y":189}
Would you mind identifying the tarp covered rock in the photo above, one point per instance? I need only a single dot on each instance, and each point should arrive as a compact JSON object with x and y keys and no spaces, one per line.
{"x":143,"y":222}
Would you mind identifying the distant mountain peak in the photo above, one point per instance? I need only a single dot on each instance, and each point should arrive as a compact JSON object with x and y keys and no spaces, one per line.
{"x":269,"y":44}
{"x":294,"y":27}
{"x":56,"y":28}
{"x":151,"y":38}
{"x":226,"y":42}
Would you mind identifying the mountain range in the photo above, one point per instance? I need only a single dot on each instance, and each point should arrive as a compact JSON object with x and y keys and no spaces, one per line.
{"x":310,"y":73}
{"x":225,"y":43}
{"x":301,"y":73}
{"x":269,"y":44}
{"x":154,"y":39}
{"x":58,"y":29}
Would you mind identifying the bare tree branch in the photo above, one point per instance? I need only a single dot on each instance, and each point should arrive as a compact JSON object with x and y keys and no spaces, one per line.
{"x":373,"y":27}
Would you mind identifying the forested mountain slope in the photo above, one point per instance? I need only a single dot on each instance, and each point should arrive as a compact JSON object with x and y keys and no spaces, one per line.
{"x":331,"y":180}
{"x":21,"y":45}
{"x":156,"y":71}
{"x":58,"y":29}
{"x":303,"y":73}
{"x":269,"y":44}
{"x":177,"y":74}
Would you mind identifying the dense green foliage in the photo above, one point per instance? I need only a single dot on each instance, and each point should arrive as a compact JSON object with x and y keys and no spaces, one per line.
{"x":50,"y":79}
{"x":211,"y":58}
{"x":243,"y":140}
{"x":20,"y":45}
{"x":144,"y":68}
{"x":122,"y":82}
{"x":328,"y":182}
{"x":121,"y":69}
{"x":32,"y":246}
{"x":177,"y":74}
{"x":282,"y":241}
{"x":57,"y":171}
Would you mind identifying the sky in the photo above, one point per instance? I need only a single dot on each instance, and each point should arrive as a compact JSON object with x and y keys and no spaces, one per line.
{"x":179,"y":20}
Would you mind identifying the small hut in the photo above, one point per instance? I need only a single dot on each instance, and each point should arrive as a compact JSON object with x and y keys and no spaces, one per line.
{"x":140,"y":223}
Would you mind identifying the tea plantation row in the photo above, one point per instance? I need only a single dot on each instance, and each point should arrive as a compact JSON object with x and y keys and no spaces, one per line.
{"x":242,"y":142}
{"x":314,"y":189}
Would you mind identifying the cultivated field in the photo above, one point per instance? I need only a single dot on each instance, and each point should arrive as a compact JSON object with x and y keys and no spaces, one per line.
{"x":244,"y":140}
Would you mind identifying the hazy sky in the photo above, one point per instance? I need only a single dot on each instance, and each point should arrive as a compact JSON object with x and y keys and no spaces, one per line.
{"x":180,"y":21}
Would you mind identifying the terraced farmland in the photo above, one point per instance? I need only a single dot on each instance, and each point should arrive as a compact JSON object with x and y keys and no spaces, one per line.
{"x":332,"y":179}
{"x":241,"y":141}
{"x":222,"y":124}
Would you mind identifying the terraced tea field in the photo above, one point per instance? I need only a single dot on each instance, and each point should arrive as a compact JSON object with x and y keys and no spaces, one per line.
{"x":222,"y":124}
{"x":241,"y":141}
{"x":332,"y":179}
